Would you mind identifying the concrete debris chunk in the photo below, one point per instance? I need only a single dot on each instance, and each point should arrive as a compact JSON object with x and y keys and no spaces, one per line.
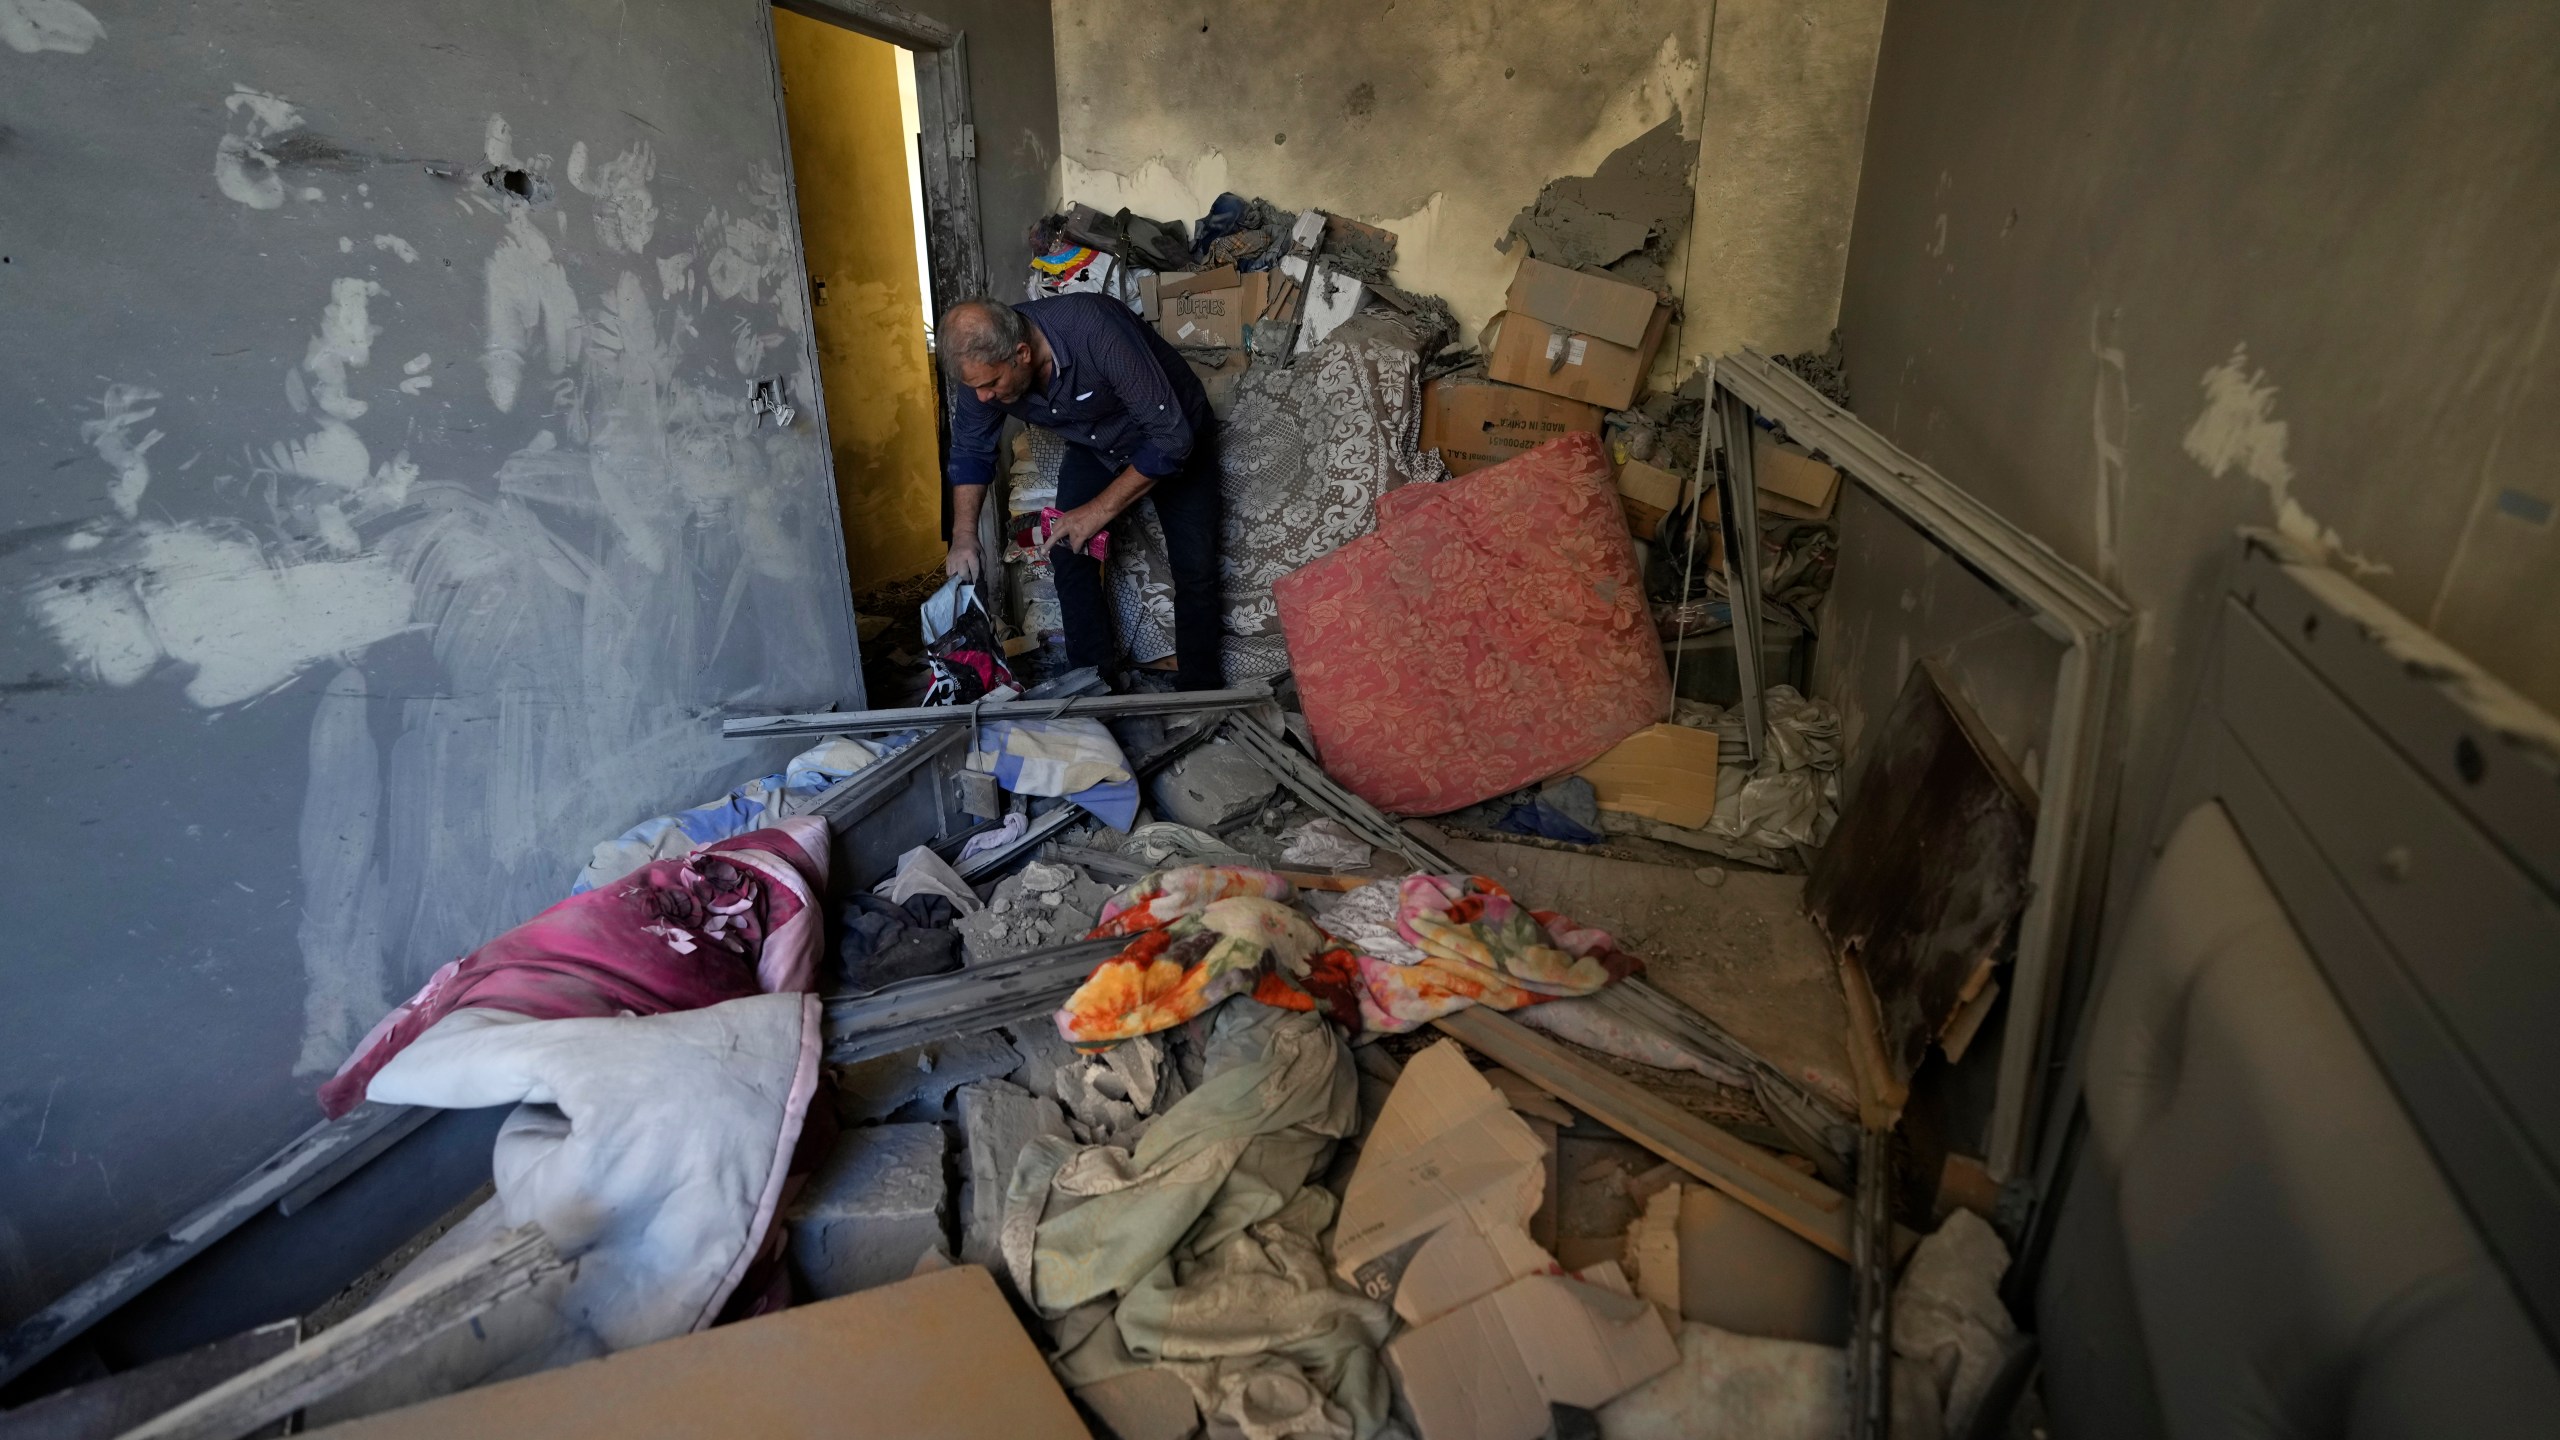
{"x":877,"y":1088}
{"x":997,"y":1118}
{"x":1043,"y":904}
{"x":871,"y":1212}
{"x":1216,"y":784}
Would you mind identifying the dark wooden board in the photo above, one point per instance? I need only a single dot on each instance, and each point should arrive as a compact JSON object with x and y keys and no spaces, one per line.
{"x":1927,"y":869}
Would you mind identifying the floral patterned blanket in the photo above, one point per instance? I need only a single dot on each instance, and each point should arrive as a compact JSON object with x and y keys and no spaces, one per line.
{"x":1490,"y":634}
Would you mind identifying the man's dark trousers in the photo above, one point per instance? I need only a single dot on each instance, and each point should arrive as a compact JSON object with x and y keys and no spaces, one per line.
{"x":1189,"y":508}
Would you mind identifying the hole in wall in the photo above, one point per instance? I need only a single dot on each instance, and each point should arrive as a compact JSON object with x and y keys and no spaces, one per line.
{"x":2468,"y":762}
{"x":2310,"y":628}
{"x":517,"y":184}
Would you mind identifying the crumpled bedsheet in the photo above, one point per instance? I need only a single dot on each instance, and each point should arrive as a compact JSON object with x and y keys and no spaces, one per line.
{"x":654,"y":1150}
{"x":1492,"y":633}
{"x":736,"y":918}
{"x":1200,"y":1249}
{"x":1399,"y":954}
{"x":751,"y":806}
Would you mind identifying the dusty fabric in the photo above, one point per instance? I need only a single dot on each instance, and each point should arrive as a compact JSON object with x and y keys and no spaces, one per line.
{"x":1947,"y":1316}
{"x":1491,"y":634}
{"x":1306,"y":454}
{"x":1747,"y":1385}
{"x":1476,"y":946}
{"x":1206,"y":934}
{"x":1199,"y":1250}
{"x":735,"y":918}
{"x":651,"y":1149}
{"x":1202,"y":934}
{"x":751,"y":806}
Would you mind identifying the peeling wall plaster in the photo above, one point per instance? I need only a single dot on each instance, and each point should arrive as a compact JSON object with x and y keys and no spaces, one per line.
{"x":1441,"y":120}
{"x":2073,"y":215}
{"x":323,"y":664}
{"x":29,"y":26}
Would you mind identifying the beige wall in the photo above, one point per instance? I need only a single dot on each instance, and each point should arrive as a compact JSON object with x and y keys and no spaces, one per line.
{"x":849,"y":156}
{"x":1440,"y":119}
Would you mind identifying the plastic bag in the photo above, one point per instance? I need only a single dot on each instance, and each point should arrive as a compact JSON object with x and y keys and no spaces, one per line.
{"x":960,"y":648}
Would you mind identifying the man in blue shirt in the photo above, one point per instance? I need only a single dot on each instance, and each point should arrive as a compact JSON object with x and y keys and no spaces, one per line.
{"x":1137,"y":426}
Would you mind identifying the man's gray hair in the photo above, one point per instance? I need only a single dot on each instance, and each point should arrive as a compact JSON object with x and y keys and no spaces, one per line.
{"x":982,"y":331}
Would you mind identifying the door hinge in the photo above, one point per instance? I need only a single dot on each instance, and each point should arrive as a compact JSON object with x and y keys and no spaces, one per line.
{"x":964,"y":141}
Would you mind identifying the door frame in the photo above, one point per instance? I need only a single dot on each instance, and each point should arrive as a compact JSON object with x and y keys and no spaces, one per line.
{"x":947,"y":142}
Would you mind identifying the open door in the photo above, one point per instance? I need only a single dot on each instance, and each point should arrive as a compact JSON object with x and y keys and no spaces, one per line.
{"x":849,"y":101}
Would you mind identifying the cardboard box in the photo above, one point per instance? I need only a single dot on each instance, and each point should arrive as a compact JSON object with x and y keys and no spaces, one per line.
{"x":1585,"y":337}
{"x":1791,"y":482}
{"x":1490,"y":1370}
{"x":1662,"y":772}
{"x":939,"y":1355}
{"x":1647,"y":493}
{"x":1474,"y":422}
{"x":1437,"y":1214}
{"x":1209,"y":307}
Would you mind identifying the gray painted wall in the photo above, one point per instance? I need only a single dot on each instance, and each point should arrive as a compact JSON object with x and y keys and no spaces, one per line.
{"x":375,"y":541}
{"x":2137,"y":274}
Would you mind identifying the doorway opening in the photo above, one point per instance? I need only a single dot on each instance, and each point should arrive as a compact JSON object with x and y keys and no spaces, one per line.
{"x":854,"y":111}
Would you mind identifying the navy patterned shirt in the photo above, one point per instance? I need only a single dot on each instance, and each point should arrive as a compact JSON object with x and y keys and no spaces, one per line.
{"x":1119,"y":390}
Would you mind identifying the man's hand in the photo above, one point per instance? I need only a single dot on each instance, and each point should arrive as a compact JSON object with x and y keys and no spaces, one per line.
{"x":1074,"y":529}
{"x":962,"y":563}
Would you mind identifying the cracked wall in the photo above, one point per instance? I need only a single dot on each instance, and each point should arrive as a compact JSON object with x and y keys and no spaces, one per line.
{"x":1441,"y":119}
{"x":2136,"y":276}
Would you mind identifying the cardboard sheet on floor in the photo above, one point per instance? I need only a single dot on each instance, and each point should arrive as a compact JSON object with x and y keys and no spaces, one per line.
{"x":1662,"y":772}
{"x":1490,"y":634}
{"x":1437,"y":1214}
{"x":1490,"y":1370}
{"x":938,"y":1355}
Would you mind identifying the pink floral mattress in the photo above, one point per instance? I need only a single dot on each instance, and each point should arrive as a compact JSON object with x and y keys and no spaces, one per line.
{"x":1491,"y":632}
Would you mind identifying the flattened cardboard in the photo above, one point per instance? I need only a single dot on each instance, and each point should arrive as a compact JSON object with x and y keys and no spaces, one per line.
{"x":938,"y":1355}
{"x":1791,"y":482}
{"x":1474,"y":422}
{"x":1437,"y":1214}
{"x":1647,"y":493}
{"x":1662,"y":772}
{"x":1192,"y":282}
{"x":1489,"y":1370}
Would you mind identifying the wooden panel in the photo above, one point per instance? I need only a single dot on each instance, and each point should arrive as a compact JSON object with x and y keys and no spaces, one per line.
{"x":1919,"y":884}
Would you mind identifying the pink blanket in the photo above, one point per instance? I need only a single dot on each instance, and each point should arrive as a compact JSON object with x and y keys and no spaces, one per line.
{"x":1490,"y":634}
{"x":736,"y":918}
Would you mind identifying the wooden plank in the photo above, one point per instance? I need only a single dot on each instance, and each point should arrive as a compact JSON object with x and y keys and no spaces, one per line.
{"x":1758,"y":1179}
{"x":469,"y":1285}
{"x":316,"y":1150}
{"x":103,"y":1408}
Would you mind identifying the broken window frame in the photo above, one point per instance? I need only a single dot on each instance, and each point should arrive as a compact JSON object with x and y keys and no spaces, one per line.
{"x":2075,"y":801}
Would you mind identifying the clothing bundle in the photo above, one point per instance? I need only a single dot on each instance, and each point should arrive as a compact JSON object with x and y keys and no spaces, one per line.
{"x":1399,"y":953}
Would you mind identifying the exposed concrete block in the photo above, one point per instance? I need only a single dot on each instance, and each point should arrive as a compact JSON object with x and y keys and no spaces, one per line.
{"x":877,"y":1088}
{"x":1214,"y":785}
{"x":996,"y":1120}
{"x":871,"y":1211}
